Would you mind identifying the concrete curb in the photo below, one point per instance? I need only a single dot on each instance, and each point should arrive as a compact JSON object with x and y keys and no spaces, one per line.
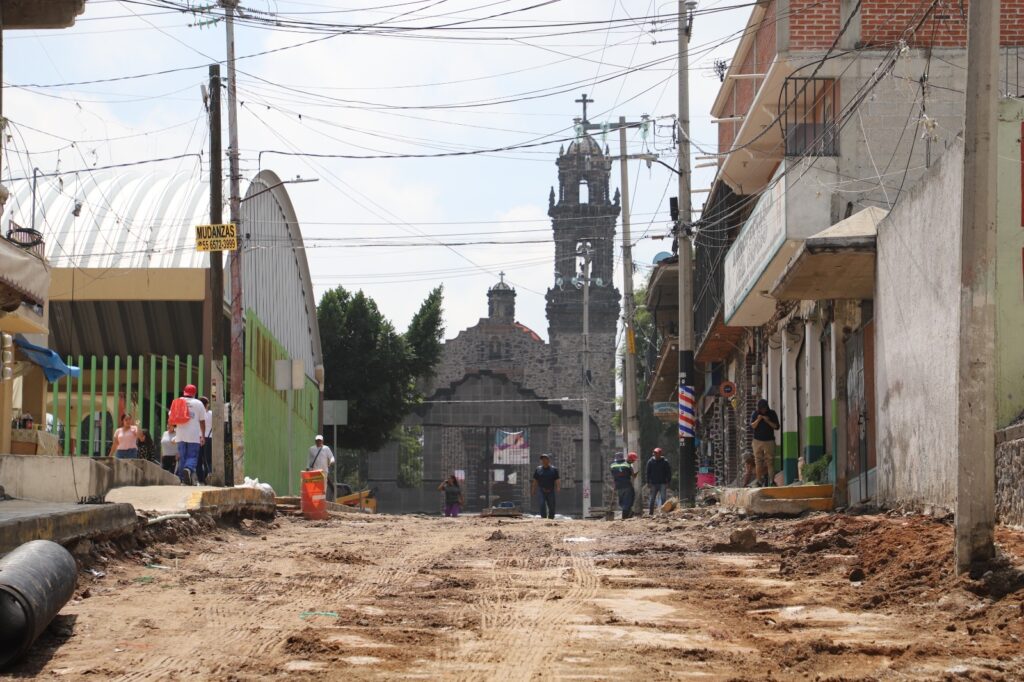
{"x":785,"y":501}
{"x":22,"y":521}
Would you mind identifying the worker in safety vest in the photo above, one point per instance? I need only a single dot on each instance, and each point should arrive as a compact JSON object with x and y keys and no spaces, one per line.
{"x":623,"y":475}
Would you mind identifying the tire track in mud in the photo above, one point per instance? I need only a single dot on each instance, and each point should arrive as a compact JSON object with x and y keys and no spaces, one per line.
{"x":509,"y":648}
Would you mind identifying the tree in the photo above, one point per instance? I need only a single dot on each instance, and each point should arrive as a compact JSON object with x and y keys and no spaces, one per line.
{"x":372,"y":366}
{"x":426,"y":335}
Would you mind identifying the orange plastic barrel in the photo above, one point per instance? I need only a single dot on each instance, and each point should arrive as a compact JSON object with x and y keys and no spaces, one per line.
{"x":314,"y":499}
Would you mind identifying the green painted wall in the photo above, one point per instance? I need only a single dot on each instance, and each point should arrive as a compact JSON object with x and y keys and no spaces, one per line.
{"x":790,"y":454}
{"x":814,"y":446}
{"x":1010,"y":266}
{"x":270,"y":455}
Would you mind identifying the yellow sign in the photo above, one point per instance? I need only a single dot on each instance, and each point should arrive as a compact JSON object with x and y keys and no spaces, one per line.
{"x":217,"y":237}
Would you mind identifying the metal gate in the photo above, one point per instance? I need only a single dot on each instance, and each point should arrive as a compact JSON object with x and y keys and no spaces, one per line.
{"x":860,"y":445}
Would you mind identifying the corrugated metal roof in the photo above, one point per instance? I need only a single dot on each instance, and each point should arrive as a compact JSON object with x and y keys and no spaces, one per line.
{"x":126,"y":219}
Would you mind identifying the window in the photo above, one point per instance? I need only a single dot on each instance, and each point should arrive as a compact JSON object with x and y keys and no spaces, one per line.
{"x":584,"y":192}
{"x":809,"y":117}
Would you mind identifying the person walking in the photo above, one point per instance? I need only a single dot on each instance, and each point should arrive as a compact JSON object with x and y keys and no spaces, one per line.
{"x":189,"y":418}
{"x":659,"y":475}
{"x":623,"y":475}
{"x":545,"y":480}
{"x":321,"y":457}
{"x":126,"y":439}
{"x":147,"y":448}
{"x":169,"y":450}
{"x":764,"y":422}
{"x":453,"y":499}
{"x":206,"y":452}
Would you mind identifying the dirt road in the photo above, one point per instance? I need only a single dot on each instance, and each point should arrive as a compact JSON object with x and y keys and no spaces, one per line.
{"x":361,"y":597}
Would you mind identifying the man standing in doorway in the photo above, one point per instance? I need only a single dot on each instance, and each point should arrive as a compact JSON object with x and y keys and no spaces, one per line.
{"x":321,"y":457}
{"x":623,"y":475}
{"x":764,"y":423}
{"x":190,"y":434}
{"x":659,"y":475}
{"x":545,"y":479}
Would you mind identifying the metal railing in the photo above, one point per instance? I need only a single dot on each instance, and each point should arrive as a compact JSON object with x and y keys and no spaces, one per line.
{"x":717,"y":230}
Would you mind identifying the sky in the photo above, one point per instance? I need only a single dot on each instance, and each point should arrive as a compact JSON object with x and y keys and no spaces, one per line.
{"x":506,"y":75}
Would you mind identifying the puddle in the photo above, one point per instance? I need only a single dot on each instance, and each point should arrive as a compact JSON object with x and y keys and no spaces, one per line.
{"x":842,"y":626}
{"x":361,"y":660}
{"x":578,"y":539}
{"x":300,"y":666}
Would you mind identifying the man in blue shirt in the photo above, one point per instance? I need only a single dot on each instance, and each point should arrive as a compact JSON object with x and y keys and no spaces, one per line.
{"x":545,"y":479}
{"x":659,"y":475}
{"x":623,"y":475}
{"x":764,"y":422}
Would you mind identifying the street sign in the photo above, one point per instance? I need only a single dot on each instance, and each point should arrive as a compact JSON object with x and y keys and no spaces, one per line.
{"x":217,"y":237}
{"x":335,"y":412}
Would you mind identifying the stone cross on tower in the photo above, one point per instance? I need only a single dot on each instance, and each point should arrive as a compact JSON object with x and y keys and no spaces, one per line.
{"x":502,"y":276}
{"x":584,"y":101}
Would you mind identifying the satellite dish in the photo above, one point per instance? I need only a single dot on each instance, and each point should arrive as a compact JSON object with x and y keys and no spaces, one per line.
{"x":660,"y":256}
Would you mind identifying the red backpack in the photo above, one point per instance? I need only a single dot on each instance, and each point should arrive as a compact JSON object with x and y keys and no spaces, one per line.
{"x":179,"y":412}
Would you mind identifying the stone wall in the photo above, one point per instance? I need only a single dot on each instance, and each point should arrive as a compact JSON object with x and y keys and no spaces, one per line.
{"x":1010,"y":475}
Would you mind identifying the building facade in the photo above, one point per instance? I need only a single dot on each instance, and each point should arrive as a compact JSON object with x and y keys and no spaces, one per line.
{"x":502,"y":395}
{"x":828,"y":113}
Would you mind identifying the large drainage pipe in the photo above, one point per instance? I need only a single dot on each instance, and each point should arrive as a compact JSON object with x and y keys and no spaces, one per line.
{"x":36,"y":580}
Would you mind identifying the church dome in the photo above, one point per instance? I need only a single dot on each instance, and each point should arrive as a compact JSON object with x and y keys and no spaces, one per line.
{"x":584,"y":145}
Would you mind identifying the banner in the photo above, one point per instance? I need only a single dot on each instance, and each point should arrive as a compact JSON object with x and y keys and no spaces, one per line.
{"x":511,"y":447}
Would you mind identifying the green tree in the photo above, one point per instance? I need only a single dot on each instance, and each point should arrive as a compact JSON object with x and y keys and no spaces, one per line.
{"x":373,"y":366}
{"x":426,"y":335}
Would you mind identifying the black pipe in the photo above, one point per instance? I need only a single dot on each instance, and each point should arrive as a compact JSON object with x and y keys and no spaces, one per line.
{"x":36,"y":580}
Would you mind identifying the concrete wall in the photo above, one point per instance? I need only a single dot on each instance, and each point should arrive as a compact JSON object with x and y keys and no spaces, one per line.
{"x":1010,"y":267}
{"x":1010,"y":475}
{"x":54,"y":479}
{"x":917,"y":328}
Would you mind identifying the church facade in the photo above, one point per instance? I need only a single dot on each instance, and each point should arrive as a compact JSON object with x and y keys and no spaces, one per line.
{"x":502,"y":396}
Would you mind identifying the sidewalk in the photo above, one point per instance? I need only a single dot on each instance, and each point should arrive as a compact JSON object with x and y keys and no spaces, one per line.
{"x":25,"y":520}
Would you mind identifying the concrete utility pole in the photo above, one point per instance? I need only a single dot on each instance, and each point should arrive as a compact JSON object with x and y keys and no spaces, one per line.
{"x":687,"y":413}
{"x":631,"y":419}
{"x":237,"y":328}
{"x":215,"y":315}
{"x":975,"y":483}
{"x":586,"y":252}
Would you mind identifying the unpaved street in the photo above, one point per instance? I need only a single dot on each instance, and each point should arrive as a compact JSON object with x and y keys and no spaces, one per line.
{"x":377,"y":597}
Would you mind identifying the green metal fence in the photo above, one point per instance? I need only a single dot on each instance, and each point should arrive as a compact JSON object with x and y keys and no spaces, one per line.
{"x":90,"y":406}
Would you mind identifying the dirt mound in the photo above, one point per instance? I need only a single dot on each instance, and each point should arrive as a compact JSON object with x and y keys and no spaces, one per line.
{"x":898,"y":559}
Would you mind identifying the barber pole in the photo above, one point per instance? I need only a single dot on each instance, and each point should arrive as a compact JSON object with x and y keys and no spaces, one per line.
{"x":686,"y":411}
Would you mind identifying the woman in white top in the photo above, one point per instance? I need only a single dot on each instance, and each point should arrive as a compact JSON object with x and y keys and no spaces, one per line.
{"x":126,"y":439}
{"x":169,"y":450}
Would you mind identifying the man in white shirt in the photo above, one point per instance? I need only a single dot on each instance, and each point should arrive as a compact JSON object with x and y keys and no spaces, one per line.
{"x":321,"y":457}
{"x":190,"y":436}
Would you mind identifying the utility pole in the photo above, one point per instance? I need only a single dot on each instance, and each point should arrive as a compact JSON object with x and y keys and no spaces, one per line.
{"x":631,"y":420}
{"x":975,"y":483}
{"x":587,"y":254}
{"x":216,"y":284}
{"x":237,"y":328}
{"x":687,"y":413}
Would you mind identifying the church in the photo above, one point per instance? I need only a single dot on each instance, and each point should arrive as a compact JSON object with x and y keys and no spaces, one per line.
{"x":502,"y":396}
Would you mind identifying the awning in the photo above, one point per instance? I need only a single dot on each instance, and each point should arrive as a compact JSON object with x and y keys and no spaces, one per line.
{"x":53,"y":367}
{"x":836,"y":263}
{"x":22,"y":275}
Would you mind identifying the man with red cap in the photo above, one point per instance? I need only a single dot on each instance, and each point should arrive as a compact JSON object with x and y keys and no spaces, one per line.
{"x":190,"y":433}
{"x":659,"y":475}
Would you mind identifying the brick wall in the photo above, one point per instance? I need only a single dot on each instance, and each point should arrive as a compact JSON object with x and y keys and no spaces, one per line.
{"x":813,"y":24}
